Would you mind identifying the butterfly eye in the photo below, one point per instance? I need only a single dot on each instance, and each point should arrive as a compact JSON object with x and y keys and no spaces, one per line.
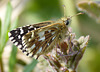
{"x":67,"y":22}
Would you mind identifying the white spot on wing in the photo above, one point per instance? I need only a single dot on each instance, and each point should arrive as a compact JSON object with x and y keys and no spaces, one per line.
{"x":33,"y":46}
{"x":30,"y":54}
{"x":53,"y":33}
{"x":48,"y":44}
{"x":28,"y":31}
{"x":19,"y":36}
{"x":11,"y":38}
{"x":25,"y":53}
{"x":21,"y":31}
{"x":25,"y":46}
{"x":56,"y":27}
{"x":34,"y":28}
{"x":43,"y":38}
{"x":28,"y":49}
{"x":23,"y":38}
{"x":13,"y":41}
{"x":41,"y":34}
{"x":23,"y":42}
{"x":53,"y":38}
{"x":15,"y":31}
{"x":49,"y":31}
{"x":16,"y":43}
{"x":30,"y":27}
{"x":39,"y":50}
{"x":19,"y":46}
{"x":32,"y":34}
{"x":29,"y":39}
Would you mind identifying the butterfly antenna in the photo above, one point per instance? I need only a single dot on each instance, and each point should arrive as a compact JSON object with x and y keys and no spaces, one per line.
{"x":76,"y":14}
{"x":64,"y":10}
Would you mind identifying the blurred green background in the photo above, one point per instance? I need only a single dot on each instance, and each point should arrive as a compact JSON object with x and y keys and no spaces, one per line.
{"x":15,"y":13}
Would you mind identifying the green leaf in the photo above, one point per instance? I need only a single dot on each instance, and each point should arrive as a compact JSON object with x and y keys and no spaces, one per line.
{"x":14,"y":24}
{"x":5,"y":28}
{"x":12,"y":59}
{"x":91,"y":8}
{"x":30,"y":67}
{"x":0,"y":27}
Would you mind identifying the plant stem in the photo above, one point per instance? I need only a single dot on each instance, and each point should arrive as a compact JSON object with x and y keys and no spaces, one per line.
{"x":70,"y":10}
{"x":1,"y":65}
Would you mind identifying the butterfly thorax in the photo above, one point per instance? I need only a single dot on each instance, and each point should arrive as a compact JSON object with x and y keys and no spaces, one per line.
{"x":63,"y":28}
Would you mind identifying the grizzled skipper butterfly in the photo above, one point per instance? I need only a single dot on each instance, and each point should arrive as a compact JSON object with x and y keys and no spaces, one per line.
{"x":38,"y":39}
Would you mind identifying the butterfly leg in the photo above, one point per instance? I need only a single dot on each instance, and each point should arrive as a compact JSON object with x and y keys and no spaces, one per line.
{"x":37,"y":56}
{"x":59,"y":46}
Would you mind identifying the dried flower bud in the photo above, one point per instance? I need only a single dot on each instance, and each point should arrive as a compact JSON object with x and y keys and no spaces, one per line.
{"x":68,"y":54}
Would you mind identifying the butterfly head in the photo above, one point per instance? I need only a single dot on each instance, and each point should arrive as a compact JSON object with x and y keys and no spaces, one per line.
{"x":67,"y":20}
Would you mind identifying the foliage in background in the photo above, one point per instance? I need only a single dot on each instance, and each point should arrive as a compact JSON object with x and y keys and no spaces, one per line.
{"x":31,"y":66}
{"x":0,"y":30}
{"x":4,"y":32}
{"x":12,"y":59}
{"x":5,"y":28}
{"x":88,"y":25}
{"x":42,"y":10}
{"x":92,"y":8}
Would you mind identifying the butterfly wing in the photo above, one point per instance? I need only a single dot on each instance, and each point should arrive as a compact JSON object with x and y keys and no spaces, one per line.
{"x":38,"y":42}
{"x":35,"y":39}
{"x":16,"y":35}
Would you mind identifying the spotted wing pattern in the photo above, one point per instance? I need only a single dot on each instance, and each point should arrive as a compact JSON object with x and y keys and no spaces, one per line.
{"x":16,"y":35}
{"x":34,"y":39}
{"x":38,"y":42}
